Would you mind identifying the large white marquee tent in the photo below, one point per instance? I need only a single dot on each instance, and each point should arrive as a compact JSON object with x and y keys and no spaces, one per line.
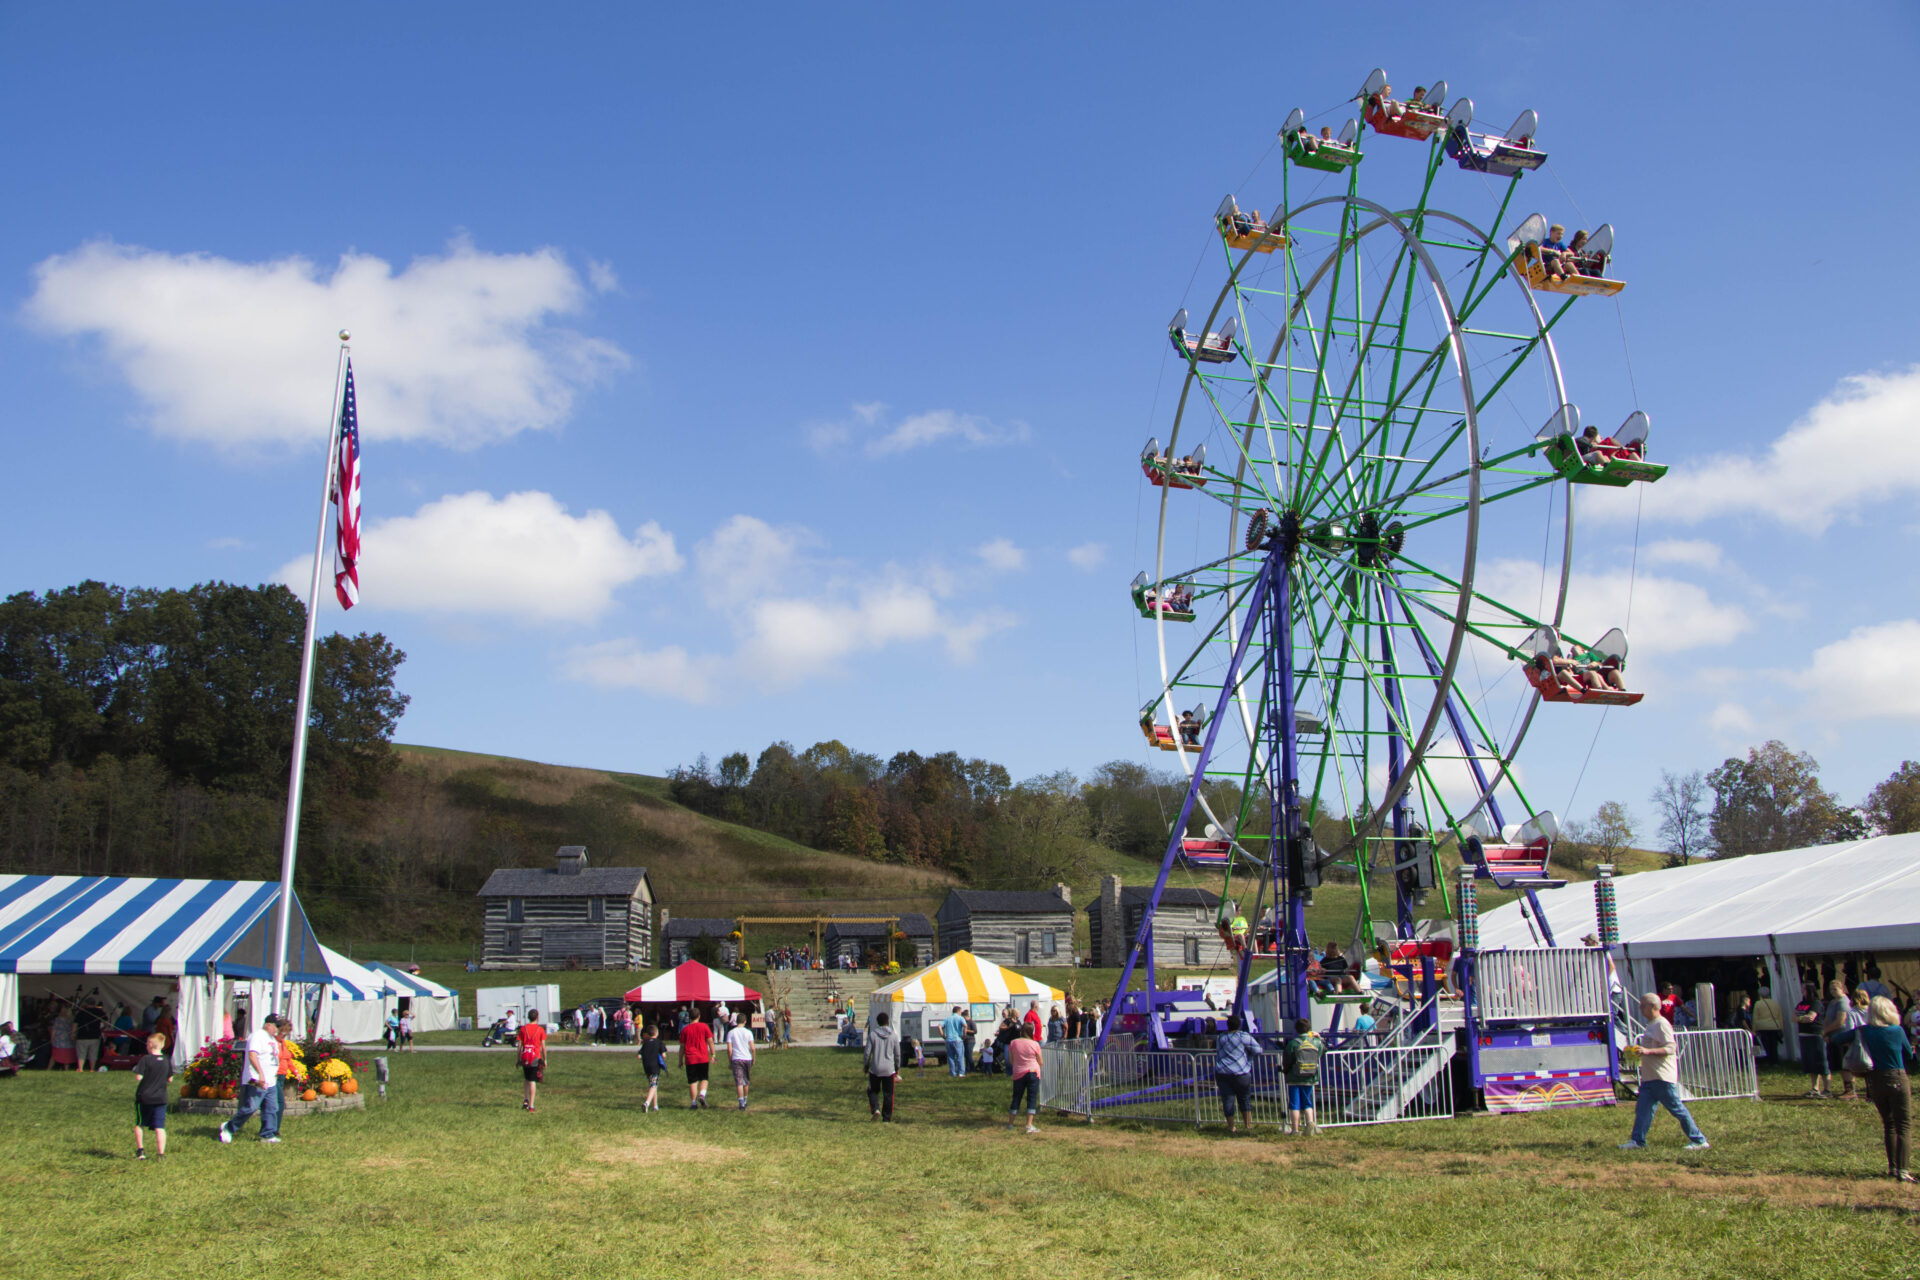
{"x":136,"y":938}
{"x":1861,"y":897}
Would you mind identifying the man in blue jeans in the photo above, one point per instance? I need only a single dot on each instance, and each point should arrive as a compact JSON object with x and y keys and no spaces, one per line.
{"x":1659,"y":1080}
{"x":954,"y":1029}
{"x":259,"y":1070}
{"x":274,"y":1102}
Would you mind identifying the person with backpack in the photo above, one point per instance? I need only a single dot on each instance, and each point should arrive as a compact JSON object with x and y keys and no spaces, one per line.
{"x":696,"y":1055}
{"x":1301,"y":1061}
{"x":532,"y":1038}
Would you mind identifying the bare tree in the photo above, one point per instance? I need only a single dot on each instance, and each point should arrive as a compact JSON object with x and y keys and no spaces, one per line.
{"x":1685,"y":828}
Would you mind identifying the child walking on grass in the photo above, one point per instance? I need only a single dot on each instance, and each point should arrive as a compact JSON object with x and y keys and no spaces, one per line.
{"x":653,"y":1061}
{"x":153,"y":1073}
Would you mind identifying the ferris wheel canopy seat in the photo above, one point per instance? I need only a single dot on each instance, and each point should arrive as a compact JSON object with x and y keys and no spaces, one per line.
{"x":1559,"y":679}
{"x":1246,"y":230}
{"x":1405,"y":118}
{"x":1214,"y":348}
{"x":1174,"y":606}
{"x":1329,"y":155}
{"x":1168,"y":472}
{"x":1507,"y":156}
{"x":1206,"y":853}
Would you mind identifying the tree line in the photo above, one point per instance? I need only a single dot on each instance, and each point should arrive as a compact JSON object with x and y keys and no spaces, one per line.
{"x":150,"y":731}
{"x":1770,"y":800}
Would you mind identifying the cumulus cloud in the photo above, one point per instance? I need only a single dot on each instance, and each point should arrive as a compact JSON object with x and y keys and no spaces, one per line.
{"x":869,"y":424}
{"x":1088,"y":556}
{"x":1693,"y":553}
{"x":1865,"y":676}
{"x":794,"y":617}
{"x":1002,"y":556}
{"x":1660,"y":614}
{"x":1858,"y":446}
{"x":522,"y":557}
{"x":459,"y":349}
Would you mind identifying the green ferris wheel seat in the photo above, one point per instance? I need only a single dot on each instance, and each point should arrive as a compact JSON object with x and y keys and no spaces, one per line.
{"x":1329,"y":154}
{"x":1587,"y":457}
{"x":1175,"y":603}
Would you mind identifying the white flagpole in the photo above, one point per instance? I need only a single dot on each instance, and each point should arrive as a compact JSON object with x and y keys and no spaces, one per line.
{"x":303,"y":704}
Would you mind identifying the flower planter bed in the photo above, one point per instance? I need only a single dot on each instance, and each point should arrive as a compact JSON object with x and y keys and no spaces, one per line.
{"x":294,"y":1107}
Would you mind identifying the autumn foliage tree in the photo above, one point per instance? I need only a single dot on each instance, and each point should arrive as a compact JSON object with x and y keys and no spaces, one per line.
{"x":1773,"y":800}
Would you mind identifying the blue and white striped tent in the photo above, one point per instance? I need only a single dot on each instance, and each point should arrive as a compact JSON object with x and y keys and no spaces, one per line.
{"x":202,"y":933}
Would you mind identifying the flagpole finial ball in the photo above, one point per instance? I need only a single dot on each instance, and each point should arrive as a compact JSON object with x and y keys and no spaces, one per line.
{"x":345,"y":336}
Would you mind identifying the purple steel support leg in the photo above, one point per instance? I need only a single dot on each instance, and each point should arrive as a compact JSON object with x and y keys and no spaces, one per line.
{"x":1143,"y":941}
{"x":1286,"y":830}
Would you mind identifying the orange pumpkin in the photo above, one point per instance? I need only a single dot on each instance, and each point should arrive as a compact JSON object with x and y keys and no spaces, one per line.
{"x":208,"y":1091}
{"x":308,"y":1096}
{"x":349,"y":1085}
{"x":329,"y":1088}
{"x":229,"y":1093}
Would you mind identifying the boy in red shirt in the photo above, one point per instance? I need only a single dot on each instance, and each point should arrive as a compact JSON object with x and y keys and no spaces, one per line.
{"x":533,"y":1054}
{"x":696,"y":1053}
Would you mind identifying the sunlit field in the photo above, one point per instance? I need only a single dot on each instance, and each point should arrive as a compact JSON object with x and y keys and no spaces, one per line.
{"x":449,"y":1177}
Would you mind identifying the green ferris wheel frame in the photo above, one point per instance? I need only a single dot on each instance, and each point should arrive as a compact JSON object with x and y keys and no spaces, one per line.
{"x":1373,"y":512}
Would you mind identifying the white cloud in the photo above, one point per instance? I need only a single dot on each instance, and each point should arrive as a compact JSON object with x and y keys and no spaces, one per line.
{"x":923,"y":429}
{"x":1732,"y":720}
{"x":1857,"y":446}
{"x":869,"y":412}
{"x":522,"y":556}
{"x":1659,"y":614}
{"x":1002,"y":556}
{"x":794,"y":618}
{"x":1088,"y":556}
{"x":602,"y":276}
{"x":458,"y":349}
{"x":624,"y":664}
{"x":1866,"y":676}
{"x":1694,"y":553}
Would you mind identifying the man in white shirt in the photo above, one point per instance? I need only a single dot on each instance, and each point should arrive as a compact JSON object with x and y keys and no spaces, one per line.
{"x":1659,"y":1080}
{"x":740,"y":1055}
{"x":259,"y":1072}
{"x":513,"y":1023}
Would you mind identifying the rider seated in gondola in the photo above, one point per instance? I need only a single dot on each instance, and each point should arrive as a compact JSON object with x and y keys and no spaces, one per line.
{"x":1596,"y":449}
{"x":1188,"y":466}
{"x":1587,"y":262}
{"x":1310,"y":144}
{"x":1189,"y":728}
{"x":1553,"y":255}
{"x":1180,"y":600}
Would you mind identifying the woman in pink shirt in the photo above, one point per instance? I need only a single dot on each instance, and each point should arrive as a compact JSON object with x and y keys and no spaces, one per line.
{"x":1023,"y":1060}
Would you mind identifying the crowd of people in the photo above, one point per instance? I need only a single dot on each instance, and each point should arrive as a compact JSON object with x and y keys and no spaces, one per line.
{"x":80,"y":1033}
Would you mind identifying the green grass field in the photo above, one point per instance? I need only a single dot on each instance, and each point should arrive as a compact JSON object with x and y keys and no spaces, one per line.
{"x":449,"y":1178}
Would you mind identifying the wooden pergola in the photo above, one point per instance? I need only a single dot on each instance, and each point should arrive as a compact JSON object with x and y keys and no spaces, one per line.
{"x":819,"y":924}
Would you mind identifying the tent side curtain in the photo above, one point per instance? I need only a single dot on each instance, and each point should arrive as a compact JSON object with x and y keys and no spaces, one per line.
{"x":125,"y":925}
{"x":353,"y":981}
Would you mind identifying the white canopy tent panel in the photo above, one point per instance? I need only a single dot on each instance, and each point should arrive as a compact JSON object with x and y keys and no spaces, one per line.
{"x":434,"y":1007}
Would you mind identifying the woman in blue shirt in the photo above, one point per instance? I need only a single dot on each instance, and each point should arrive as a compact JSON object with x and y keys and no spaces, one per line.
{"x":1887,"y":1081}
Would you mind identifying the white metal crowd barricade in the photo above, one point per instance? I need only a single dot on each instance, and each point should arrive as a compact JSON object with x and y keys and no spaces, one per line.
{"x":1357,"y":1086}
{"x":1541,"y":982}
{"x":1716,"y":1064}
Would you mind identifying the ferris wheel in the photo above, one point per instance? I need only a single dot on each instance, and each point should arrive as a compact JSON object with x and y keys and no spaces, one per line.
{"x":1365,"y":524}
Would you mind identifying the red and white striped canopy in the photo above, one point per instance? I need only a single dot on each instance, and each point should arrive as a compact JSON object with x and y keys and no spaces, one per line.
{"x":691,"y":981}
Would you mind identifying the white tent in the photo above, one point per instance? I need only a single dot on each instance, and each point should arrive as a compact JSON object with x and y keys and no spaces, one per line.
{"x":354,"y":1005}
{"x":919,"y":1001}
{"x":1831,"y":899}
{"x":434,"y":1007}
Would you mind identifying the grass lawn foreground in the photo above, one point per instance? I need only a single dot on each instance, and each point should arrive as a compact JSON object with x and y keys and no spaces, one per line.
{"x":449,"y":1178}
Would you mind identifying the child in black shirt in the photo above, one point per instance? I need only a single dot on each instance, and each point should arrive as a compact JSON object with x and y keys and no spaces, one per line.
{"x":653,"y":1060}
{"x":154,"y":1073}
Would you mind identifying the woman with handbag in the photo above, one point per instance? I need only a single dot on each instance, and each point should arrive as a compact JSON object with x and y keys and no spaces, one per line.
{"x":1880,"y":1052}
{"x":1837,"y":1025}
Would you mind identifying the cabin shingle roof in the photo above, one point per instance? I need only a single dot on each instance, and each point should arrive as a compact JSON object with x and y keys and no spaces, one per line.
{"x":545,"y":882}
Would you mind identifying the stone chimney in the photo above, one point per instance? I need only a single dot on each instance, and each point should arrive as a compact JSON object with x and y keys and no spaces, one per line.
{"x":1113,"y":926}
{"x":572,"y":859}
{"x":1066,"y":894}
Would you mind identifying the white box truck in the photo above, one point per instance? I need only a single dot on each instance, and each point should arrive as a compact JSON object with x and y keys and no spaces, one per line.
{"x":491,"y":1003}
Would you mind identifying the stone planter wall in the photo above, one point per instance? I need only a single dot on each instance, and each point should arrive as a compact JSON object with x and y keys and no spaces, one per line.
{"x":294,"y":1106}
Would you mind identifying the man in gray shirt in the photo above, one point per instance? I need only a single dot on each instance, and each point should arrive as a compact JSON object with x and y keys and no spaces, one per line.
{"x":883,"y":1067}
{"x":1659,"y":1080}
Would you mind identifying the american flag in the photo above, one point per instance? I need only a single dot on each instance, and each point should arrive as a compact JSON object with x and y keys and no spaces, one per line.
{"x":346,"y":498}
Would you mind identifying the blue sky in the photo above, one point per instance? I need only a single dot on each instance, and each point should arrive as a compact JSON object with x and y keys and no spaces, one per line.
{"x":780,"y":376}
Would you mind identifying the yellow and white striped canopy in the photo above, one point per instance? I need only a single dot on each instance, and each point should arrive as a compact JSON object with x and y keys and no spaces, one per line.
{"x":964,"y":978}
